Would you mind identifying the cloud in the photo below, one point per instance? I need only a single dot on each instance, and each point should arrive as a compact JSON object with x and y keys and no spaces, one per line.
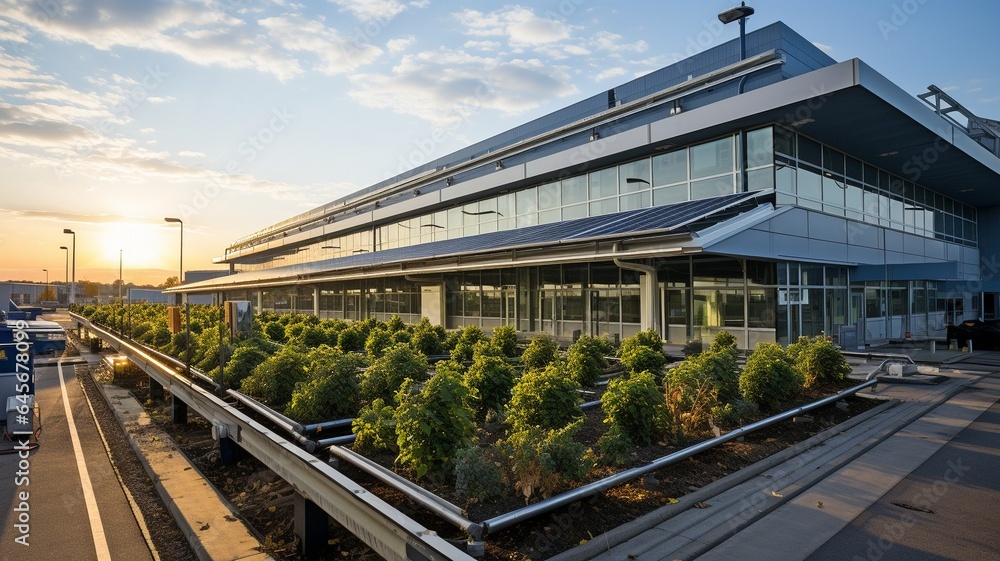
{"x":609,"y":73}
{"x":993,"y":99}
{"x":825,"y":48}
{"x":367,"y":10}
{"x":520,"y":26}
{"x":55,"y":216}
{"x":191,"y":154}
{"x":195,"y":32}
{"x":400,"y":44}
{"x":335,"y":52}
{"x":158,"y":99}
{"x":611,"y":42}
{"x":147,"y":130}
{"x":445,"y":86}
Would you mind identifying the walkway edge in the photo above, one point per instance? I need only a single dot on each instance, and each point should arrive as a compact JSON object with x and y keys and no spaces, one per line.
{"x":193,"y":535}
{"x":616,"y":536}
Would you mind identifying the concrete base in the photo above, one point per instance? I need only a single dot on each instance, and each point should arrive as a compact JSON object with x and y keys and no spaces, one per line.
{"x":311,"y":526}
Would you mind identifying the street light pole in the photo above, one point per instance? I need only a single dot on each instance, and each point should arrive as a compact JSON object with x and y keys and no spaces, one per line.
{"x":46,"y":291}
{"x":66,"y":269}
{"x":72,"y":287}
{"x":187,"y":305}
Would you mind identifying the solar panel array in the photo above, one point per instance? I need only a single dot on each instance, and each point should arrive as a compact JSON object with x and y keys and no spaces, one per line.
{"x":659,"y":219}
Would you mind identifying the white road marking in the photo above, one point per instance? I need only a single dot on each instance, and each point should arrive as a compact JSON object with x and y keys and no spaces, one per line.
{"x":96,"y":527}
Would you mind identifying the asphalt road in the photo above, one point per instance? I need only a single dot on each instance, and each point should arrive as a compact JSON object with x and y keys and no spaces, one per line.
{"x":945,"y":509}
{"x":76,"y":508}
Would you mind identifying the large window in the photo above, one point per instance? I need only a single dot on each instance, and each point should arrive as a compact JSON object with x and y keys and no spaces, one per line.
{"x":816,"y":176}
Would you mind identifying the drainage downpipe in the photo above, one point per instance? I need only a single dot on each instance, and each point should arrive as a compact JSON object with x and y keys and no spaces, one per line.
{"x":511,"y":518}
{"x":291,"y":427}
{"x":652,"y":282}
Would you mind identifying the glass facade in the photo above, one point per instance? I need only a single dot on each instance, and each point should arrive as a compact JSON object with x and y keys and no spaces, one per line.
{"x":756,"y":300}
{"x":812,"y":175}
{"x":697,"y":172}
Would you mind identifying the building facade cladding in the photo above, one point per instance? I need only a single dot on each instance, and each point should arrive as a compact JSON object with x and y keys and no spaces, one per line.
{"x":772,"y":281}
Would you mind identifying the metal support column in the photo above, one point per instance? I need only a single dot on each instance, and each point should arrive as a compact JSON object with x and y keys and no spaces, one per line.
{"x":155,"y":390}
{"x":311,"y":526}
{"x":178,"y":410}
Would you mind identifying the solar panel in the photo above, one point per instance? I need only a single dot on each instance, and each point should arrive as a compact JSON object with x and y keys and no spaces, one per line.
{"x":659,"y":219}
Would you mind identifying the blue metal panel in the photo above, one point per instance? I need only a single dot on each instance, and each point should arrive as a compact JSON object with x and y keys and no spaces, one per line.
{"x":946,"y":270}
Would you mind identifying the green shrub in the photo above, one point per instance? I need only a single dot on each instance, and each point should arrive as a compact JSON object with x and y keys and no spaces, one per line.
{"x":378,"y":340}
{"x":374,"y":427}
{"x":692,"y":348}
{"x":466,"y":343}
{"x":769,"y":378}
{"x":585,"y":360}
{"x":433,"y":423}
{"x":720,"y":362}
{"x":386,"y":374}
{"x":544,"y":398}
{"x":541,"y":352}
{"x":643,"y":352}
{"x":635,"y":406}
{"x":735,"y":414}
{"x":491,"y":379}
{"x":427,"y":338}
{"x":505,"y":340}
{"x":614,"y":446}
{"x":817,"y":360}
{"x":273,"y":381}
{"x":478,"y":477}
{"x":351,"y":339}
{"x":332,"y":392}
{"x":245,"y":358}
{"x":542,"y":459}
{"x":691,"y":393}
{"x":275,"y":332}
{"x":395,"y":324}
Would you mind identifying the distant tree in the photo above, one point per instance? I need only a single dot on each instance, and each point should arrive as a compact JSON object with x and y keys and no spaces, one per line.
{"x":48,"y":294}
{"x":170,"y":282}
{"x":90,"y":288}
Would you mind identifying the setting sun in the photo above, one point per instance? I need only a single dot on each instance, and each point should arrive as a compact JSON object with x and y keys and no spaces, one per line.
{"x":142,"y":246}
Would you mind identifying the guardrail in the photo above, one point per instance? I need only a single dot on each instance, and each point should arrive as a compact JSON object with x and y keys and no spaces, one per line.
{"x":385,"y":529}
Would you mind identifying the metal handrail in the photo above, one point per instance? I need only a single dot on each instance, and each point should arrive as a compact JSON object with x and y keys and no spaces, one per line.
{"x":506,"y":520}
{"x":437,"y":505}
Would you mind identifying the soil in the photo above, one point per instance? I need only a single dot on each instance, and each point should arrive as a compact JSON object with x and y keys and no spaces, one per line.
{"x":265,"y":501}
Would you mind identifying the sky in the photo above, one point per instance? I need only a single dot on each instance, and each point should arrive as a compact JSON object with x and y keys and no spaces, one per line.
{"x":235,"y":114}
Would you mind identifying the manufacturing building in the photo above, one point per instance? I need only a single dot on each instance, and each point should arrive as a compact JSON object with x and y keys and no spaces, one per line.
{"x":772,"y":195}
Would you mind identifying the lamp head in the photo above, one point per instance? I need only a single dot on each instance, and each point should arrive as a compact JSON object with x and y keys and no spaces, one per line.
{"x":737,"y":13}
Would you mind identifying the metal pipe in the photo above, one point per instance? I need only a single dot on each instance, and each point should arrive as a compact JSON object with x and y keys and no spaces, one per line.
{"x":652,"y":282}
{"x":291,"y":427}
{"x":435,"y":504}
{"x":511,"y":518}
{"x":335,"y":441}
{"x":319,"y":427}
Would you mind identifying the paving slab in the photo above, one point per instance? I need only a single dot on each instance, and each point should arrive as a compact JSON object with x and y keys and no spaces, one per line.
{"x":825,"y":509}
